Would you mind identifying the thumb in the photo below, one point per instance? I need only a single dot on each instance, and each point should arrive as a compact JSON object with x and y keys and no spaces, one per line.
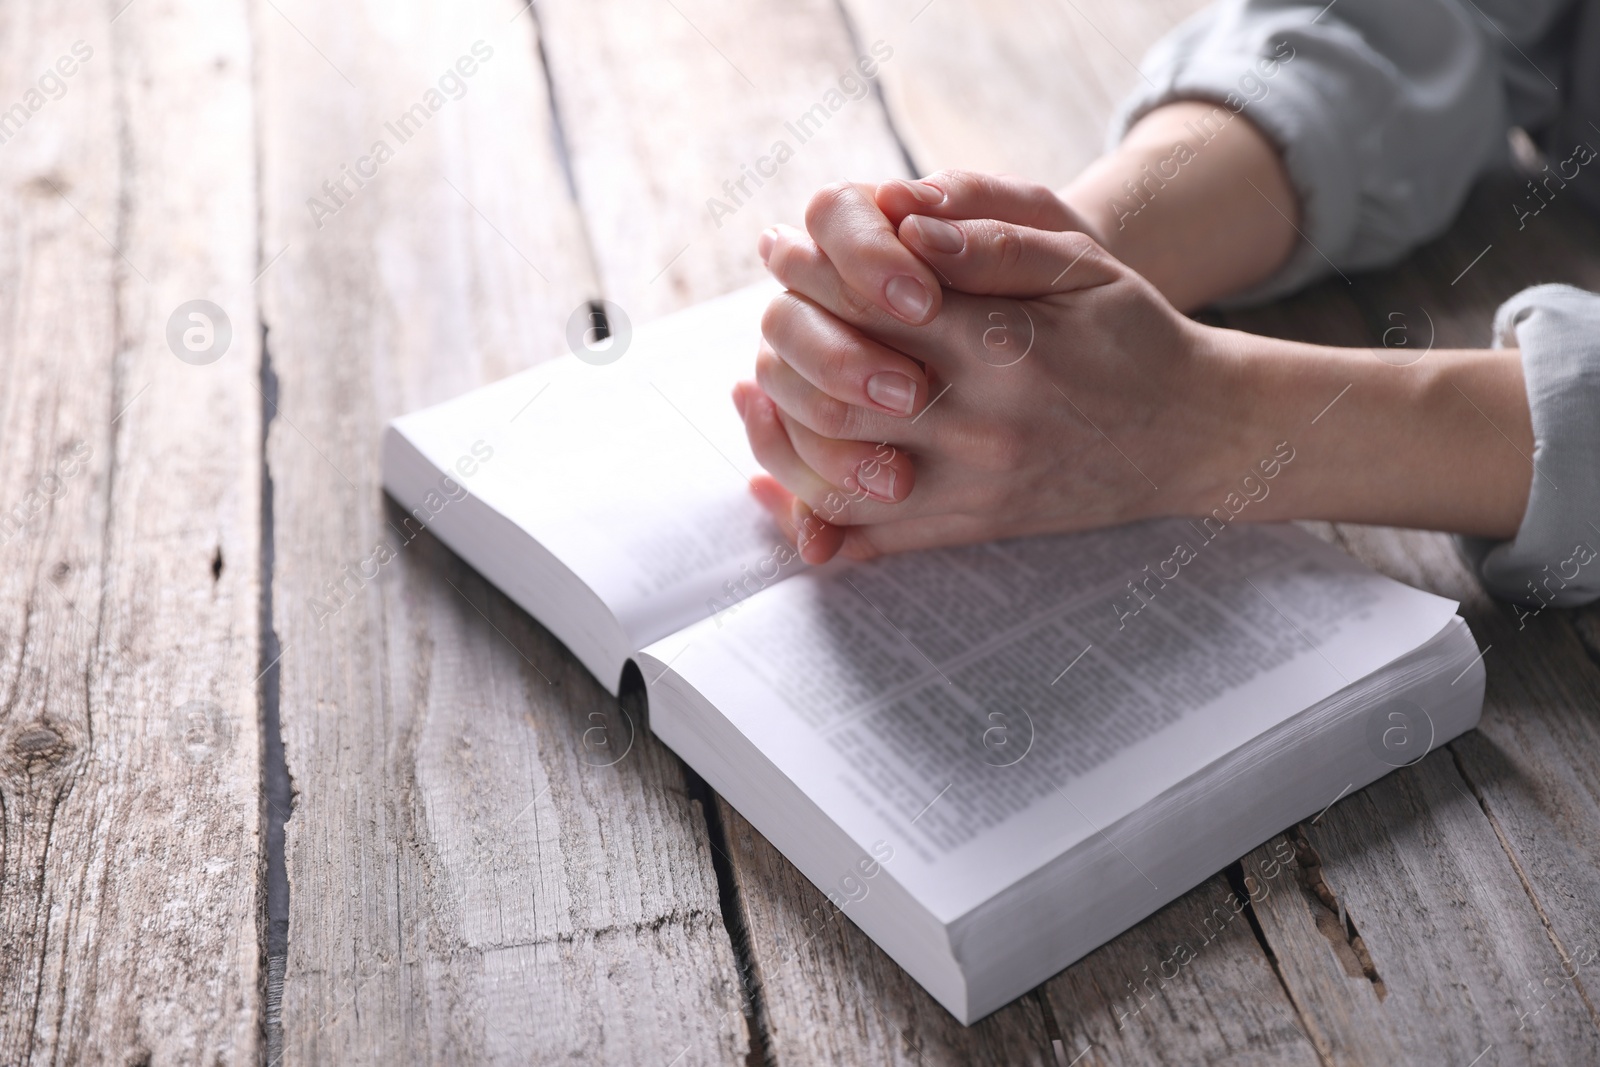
{"x":986,"y":257}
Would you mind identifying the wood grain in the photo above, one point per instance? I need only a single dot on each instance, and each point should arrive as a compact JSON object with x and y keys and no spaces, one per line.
{"x":649,"y":145}
{"x":129,"y":747}
{"x":694,"y":94}
{"x":829,"y":995}
{"x":1190,"y":984}
{"x":1024,"y":86}
{"x":1410,"y":938}
{"x":1422,"y":845}
{"x":471,"y":879}
{"x":468,"y":882}
{"x":1532,"y":764}
{"x":974,"y":88}
{"x":991,"y":123}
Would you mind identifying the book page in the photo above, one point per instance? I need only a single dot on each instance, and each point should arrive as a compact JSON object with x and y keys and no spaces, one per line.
{"x":635,"y":474}
{"x":982,"y":709}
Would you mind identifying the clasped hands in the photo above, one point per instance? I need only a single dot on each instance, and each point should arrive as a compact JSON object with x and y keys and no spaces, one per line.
{"x":958,"y":359}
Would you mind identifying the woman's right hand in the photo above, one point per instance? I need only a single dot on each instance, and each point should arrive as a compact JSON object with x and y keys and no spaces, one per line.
{"x":1053,"y":389}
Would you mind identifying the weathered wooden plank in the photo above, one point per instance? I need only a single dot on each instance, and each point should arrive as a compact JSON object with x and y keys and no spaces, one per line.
{"x":1411,"y":934}
{"x":694,"y":96}
{"x":129,"y":548}
{"x":981,"y":133}
{"x":469,"y":880}
{"x":1024,"y":86}
{"x":1470,"y":953}
{"x":650,"y":143}
{"x":975,"y":88}
{"x":1532,"y":765}
{"x":945,"y":139}
{"x":1412,"y":889}
{"x":829,"y":995}
{"x":1190,"y":984}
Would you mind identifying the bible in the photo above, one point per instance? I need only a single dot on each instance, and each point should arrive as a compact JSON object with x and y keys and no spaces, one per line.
{"x":992,"y":759}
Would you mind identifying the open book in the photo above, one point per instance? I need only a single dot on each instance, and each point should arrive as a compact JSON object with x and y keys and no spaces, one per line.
{"x":993,"y":759}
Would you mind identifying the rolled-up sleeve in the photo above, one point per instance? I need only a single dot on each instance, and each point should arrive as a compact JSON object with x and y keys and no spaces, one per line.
{"x":1384,"y":113}
{"x":1554,"y":561}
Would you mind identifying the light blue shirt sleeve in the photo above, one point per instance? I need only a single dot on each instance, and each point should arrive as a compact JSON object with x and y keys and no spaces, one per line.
{"x":1385,"y":113}
{"x":1554,"y":561}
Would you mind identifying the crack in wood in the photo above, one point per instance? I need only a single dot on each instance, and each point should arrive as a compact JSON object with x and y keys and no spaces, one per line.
{"x":751,"y":1000}
{"x":685,"y":918}
{"x":1236,"y":879}
{"x":277,"y":788}
{"x":854,"y":37}
{"x":1332,"y":920}
{"x":1057,"y":1050}
{"x":558,"y":132}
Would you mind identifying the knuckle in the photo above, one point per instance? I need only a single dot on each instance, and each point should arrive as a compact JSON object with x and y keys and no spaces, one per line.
{"x":856,"y":426}
{"x":1022,"y":186}
{"x":766,"y":368}
{"x":853,"y":307}
{"x":995,"y":183}
{"x":830,"y":417}
{"x":1006,"y":245}
{"x":1072,"y":258}
{"x":778,"y":317}
{"x":955,"y":180}
{"x":1044,"y":206}
{"x":1076,"y":244}
{"x":835,"y":359}
{"x":827,"y":201}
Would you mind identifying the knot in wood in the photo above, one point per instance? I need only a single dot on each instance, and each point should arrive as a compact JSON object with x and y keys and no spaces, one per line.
{"x":40,"y":745}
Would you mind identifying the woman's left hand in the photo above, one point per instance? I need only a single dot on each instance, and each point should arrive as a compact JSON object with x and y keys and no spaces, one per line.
{"x":1053,"y":390}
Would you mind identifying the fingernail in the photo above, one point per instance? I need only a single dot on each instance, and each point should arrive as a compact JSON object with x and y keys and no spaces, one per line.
{"x":893,"y":390}
{"x":909,"y":298}
{"x":764,"y":243}
{"x":738,"y":398}
{"x":938,"y":234}
{"x":925,"y":192}
{"x":877,"y":479}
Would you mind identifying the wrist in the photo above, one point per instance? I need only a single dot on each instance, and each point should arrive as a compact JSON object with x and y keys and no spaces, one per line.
{"x":1231,"y":447}
{"x":1443,"y":442}
{"x":1196,"y":198}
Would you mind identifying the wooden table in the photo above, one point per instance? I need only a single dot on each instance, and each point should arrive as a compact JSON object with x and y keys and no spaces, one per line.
{"x":190,"y":607}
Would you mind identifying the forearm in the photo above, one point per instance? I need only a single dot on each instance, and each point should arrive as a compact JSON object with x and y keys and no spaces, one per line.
{"x":1445,"y":443}
{"x":1196,"y":199}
